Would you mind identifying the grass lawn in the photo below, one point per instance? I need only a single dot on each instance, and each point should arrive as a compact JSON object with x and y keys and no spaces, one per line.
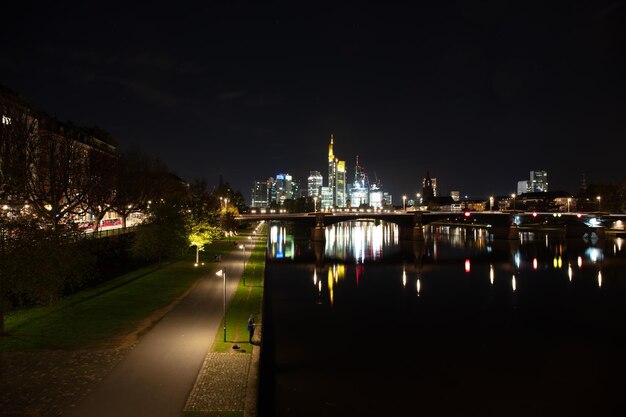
{"x":102,"y":315}
{"x":247,"y":300}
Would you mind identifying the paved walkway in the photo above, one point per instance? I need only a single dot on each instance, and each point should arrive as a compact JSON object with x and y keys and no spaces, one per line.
{"x":227,"y":382}
{"x":156,"y":377}
{"x":47,"y":384}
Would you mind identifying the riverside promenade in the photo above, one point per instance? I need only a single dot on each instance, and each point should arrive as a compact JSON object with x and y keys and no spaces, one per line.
{"x":171,"y":368}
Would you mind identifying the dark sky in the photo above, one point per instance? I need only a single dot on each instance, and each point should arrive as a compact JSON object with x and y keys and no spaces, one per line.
{"x":479,"y":93}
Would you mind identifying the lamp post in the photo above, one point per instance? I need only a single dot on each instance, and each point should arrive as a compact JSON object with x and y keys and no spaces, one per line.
{"x":222,"y":273}
{"x":243,"y":258}
{"x":243,"y":261}
{"x":491,"y":203}
{"x":568,"y":201}
{"x":513,"y":197}
{"x":599,"y":199}
{"x":404,"y":202}
{"x":419,"y":198}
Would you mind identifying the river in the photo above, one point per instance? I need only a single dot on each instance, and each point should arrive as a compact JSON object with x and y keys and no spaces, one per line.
{"x":460,"y":325}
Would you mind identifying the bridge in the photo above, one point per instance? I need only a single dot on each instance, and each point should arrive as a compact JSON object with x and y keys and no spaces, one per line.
{"x":501,"y":225}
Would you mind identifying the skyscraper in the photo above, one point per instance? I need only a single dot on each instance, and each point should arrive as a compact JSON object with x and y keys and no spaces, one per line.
{"x":359,"y":193}
{"x":315,"y":183}
{"x":336,"y":177}
{"x":260,"y":194}
{"x":539,"y":181}
{"x":283,"y":188}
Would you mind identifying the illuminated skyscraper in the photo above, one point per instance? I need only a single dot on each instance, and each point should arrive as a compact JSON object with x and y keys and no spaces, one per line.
{"x":539,"y":181}
{"x":359,"y":193}
{"x":315,"y":182}
{"x":336,"y":177}
{"x":260,"y":194}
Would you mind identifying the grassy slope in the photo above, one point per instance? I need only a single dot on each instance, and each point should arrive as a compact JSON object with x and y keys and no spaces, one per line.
{"x":99,"y":316}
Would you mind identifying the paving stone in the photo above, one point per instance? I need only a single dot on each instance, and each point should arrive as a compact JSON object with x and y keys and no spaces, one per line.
{"x":221,"y":383}
{"x":49,"y":383}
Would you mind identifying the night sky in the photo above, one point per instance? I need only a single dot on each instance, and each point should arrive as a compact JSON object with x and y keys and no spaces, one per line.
{"x":479,"y":93}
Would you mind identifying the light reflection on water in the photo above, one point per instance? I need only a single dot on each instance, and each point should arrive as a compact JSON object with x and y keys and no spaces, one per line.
{"x":459,"y":298}
{"x":360,"y":241}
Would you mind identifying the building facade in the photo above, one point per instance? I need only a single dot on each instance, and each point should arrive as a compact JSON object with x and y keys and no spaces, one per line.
{"x":260,"y":196}
{"x":315,"y":182}
{"x":360,"y":189}
{"x":336,"y":177}
{"x":538,"y":181}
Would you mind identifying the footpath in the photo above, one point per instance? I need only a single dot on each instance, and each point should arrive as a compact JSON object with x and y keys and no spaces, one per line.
{"x":170,"y":372}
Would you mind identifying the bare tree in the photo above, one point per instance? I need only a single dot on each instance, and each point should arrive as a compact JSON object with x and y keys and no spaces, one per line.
{"x":101,"y":170}
{"x":16,"y":132}
{"x":57,"y":182}
{"x":130,"y":194}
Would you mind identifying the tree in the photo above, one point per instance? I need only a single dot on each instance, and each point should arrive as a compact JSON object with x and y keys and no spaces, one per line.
{"x":38,"y":265}
{"x":163,"y":235}
{"x":101,"y":179}
{"x":16,"y":131}
{"x":228,"y":222}
{"x":235,"y":198}
{"x":56,"y":183}
{"x":201,"y":233}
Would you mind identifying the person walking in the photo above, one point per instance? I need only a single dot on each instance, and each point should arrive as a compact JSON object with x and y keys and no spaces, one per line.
{"x":251,"y":326}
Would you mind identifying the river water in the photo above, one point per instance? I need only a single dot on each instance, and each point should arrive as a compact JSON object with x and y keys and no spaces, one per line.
{"x":460,"y":325}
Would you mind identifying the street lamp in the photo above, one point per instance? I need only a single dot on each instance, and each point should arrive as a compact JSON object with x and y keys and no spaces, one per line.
{"x":513,"y":197}
{"x":598,"y":198}
{"x":491,"y":203}
{"x":243,"y":258}
{"x":404,"y":202}
{"x":568,"y":201}
{"x":222,"y":273}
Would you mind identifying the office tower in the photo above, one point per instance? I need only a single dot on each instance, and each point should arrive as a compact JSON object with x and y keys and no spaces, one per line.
{"x":260,"y":194}
{"x":376,"y":196}
{"x":327,"y":198}
{"x":539,"y":181}
{"x":359,"y":191}
{"x":336,"y":177}
{"x":282,"y":189}
{"x":523,"y":187}
{"x":315,"y":183}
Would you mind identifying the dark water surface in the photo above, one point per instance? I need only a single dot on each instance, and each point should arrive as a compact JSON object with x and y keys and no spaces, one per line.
{"x":458,"y":326}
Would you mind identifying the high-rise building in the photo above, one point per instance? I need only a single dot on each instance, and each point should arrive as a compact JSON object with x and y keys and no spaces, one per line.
{"x":327,"y":198}
{"x":260,"y":196}
{"x":539,"y":181}
{"x":359,"y":191}
{"x":282,"y":189}
{"x":523,"y":187}
{"x":340,"y":188}
{"x":315,"y":183}
{"x":336,"y":177}
{"x":295,"y":189}
{"x":376,"y":196}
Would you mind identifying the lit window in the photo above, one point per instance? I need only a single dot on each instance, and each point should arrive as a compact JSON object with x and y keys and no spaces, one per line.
{"x":6,"y":120}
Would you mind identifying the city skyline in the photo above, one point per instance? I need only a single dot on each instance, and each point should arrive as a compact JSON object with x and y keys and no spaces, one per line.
{"x":478,"y":95}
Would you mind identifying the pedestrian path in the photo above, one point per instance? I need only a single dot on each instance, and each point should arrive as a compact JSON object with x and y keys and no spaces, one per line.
{"x":156,"y":377}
